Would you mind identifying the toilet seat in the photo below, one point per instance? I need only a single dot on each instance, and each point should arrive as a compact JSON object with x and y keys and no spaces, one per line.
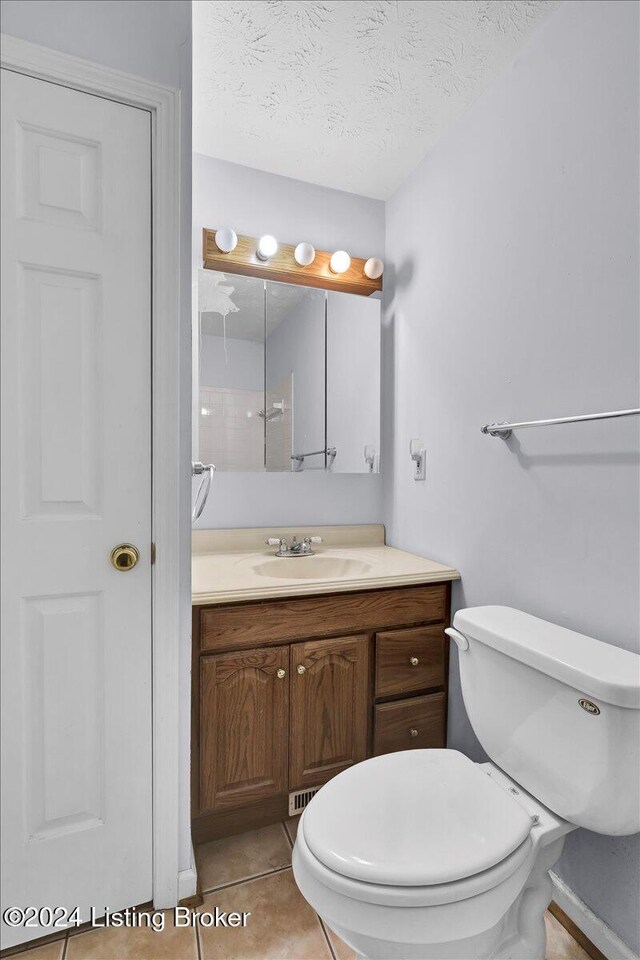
{"x":433,"y":895}
{"x":420,"y":820}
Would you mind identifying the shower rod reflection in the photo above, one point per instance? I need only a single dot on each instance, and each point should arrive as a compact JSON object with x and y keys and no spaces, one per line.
{"x":503,"y":430}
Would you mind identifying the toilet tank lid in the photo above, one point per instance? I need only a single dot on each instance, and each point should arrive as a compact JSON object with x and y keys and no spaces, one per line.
{"x":591,"y":667}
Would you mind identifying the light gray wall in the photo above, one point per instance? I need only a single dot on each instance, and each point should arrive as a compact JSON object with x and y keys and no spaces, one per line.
{"x":512,"y":292}
{"x":150,"y":40}
{"x":253,"y":203}
{"x":142,"y":37}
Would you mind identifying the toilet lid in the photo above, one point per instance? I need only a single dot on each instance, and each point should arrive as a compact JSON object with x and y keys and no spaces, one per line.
{"x":414,"y":818}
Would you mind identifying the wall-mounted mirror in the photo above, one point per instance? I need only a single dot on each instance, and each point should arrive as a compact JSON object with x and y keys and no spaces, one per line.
{"x":295,"y":377}
{"x":289,"y":377}
{"x":231,"y":395}
{"x":353,"y":383}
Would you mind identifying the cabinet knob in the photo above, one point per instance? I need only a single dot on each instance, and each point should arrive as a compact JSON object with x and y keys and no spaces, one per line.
{"x":280,"y":673}
{"x":301,"y":669}
{"x":413,"y":732}
{"x":414,"y":661}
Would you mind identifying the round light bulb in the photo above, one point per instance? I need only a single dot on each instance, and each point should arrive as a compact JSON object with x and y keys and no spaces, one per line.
{"x":304,"y":254}
{"x":226,"y":239}
{"x":373,"y":268}
{"x":340,"y":262}
{"x":267,"y":247}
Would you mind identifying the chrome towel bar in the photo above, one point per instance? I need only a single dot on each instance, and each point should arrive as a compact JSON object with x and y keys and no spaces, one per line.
{"x":503,"y":430}
{"x":329,"y":451}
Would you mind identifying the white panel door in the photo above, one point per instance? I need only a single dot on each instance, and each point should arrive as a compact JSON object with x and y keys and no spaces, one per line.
{"x":76,"y":481}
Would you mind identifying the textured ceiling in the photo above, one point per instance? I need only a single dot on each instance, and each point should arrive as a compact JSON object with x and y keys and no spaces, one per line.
{"x":346,"y":93}
{"x":234,"y":305}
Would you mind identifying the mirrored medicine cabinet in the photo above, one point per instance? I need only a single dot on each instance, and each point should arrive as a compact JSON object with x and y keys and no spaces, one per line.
{"x":289,"y":377}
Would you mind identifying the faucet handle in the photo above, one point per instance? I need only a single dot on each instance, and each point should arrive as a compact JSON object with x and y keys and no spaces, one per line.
{"x":273,"y":542}
{"x":315,"y":539}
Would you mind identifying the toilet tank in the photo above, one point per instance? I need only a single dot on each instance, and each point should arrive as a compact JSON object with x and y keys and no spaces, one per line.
{"x":559,"y":712}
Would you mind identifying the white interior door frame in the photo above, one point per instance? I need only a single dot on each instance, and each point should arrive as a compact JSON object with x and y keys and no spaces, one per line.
{"x":163,"y":103}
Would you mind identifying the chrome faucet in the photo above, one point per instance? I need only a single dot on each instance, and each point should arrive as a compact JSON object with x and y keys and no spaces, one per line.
{"x":297,"y":548}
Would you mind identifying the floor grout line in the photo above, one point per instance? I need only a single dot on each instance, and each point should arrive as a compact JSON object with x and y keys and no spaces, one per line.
{"x":327,"y":938}
{"x":287,"y":834}
{"x":198,"y":944}
{"x":8,"y":953}
{"x":320,"y":920}
{"x":239,"y":883}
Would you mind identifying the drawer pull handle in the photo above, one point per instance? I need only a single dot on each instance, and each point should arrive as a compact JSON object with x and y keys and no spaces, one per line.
{"x":414,"y":661}
{"x":281,"y":673}
{"x":413,"y":732}
{"x":301,"y":669}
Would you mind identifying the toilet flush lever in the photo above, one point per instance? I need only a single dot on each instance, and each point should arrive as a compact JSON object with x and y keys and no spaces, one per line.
{"x":460,"y":639}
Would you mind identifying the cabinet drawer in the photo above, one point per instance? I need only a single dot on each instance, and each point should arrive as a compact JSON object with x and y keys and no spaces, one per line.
{"x":278,"y":621}
{"x":409,"y":724}
{"x":409,"y":660}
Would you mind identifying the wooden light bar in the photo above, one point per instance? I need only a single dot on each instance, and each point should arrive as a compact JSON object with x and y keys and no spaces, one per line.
{"x":282,"y":266}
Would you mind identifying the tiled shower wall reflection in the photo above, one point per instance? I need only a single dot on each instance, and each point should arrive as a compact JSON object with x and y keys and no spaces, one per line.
{"x":231,"y":430}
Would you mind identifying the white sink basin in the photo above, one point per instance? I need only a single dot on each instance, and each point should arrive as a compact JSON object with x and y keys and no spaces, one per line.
{"x":311,"y":568}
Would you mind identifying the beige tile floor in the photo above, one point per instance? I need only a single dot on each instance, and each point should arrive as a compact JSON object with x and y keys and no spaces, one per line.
{"x":250,"y":872}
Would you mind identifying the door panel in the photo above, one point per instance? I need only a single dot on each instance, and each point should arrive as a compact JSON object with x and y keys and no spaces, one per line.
{"x":243,"y":727}
{"x":59,"y":401}
{"x":76,"y":480}
{"x":329,"y":697}
{"x":65,"y":791}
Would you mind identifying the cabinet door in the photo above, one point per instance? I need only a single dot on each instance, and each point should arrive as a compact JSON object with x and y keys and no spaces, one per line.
{"x":329,"y":708}
{"x":244,"y":708}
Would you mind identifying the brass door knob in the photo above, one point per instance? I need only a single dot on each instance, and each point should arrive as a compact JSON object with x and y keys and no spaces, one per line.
{"x":124,"y":557}
{"x":414,"y":661}
{"x":301,"y":669}
{"x":281,"y":673}
{"x":413,"y":732}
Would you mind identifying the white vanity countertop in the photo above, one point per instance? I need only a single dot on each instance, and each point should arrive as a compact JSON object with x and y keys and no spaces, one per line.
{"x":233,"y":565}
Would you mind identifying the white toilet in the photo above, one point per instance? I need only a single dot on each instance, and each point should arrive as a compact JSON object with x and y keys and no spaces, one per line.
{"x":425,"y":854}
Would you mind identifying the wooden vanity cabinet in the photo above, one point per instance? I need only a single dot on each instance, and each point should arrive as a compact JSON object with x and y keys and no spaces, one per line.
{"x":288,"y":693}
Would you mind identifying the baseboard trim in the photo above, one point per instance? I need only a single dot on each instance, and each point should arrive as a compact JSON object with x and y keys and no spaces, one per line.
{"x":575,"y":931}
{"x":188,"y":884}
{"x":594,"y":936}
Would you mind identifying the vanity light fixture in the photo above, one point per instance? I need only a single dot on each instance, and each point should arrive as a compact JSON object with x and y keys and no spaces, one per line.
{"x":373,"y":268}
{"x":226,"y":239}
{"x":304,"y":254}
{"x":294,"y":263}
{"x":340,"y":262}
{"x":267,"y":247}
